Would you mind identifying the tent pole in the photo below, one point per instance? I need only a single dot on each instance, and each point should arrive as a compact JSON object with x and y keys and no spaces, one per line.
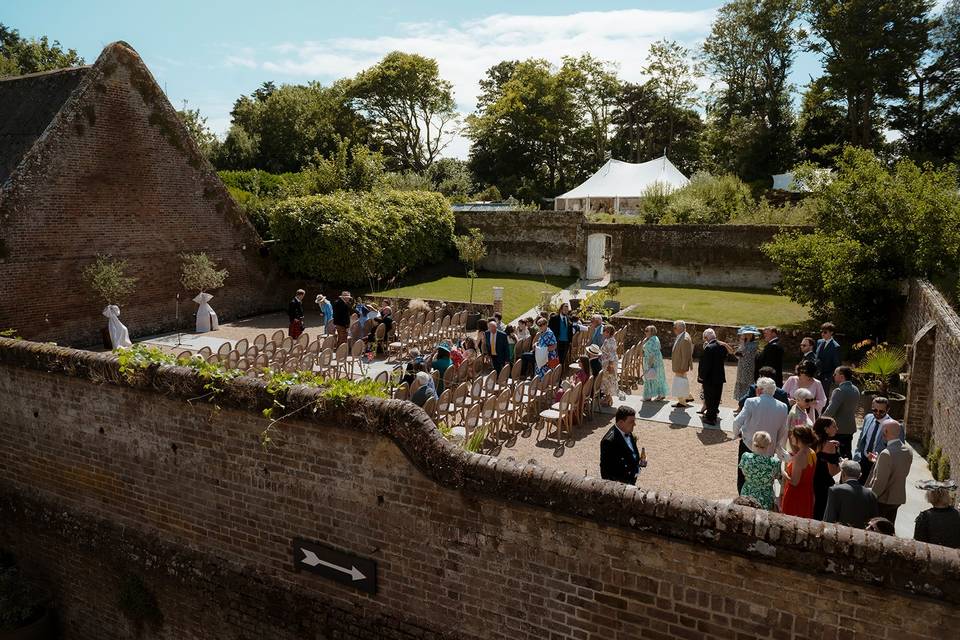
{"x":616,"y":204}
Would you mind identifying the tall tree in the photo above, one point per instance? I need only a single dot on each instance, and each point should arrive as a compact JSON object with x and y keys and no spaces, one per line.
{"x":527,"y":133}
{"x":20,"y":55}
{"x":410,"y":107}
{"x":869,"y":48}
{"x":821,"y":127}
{"x":671,"y":78}
{"x":749,"y":53}
{"x":594,"y":85}
{"x":197,"y":126}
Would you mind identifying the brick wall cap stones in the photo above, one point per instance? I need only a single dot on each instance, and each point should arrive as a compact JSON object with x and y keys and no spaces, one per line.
{"x":798,"y":544}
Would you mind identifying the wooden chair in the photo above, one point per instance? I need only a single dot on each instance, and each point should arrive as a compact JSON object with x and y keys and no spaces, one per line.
{"x":515,"y":371}
{"x":206,"y":352}
{"x":489,"y":416}
{"x":277,"y":337}
{"x":242,"y":345}
{"x":430,"y":407}
{"x":252,"y":352}
{"x":260,"y":340}
{"x":223,"y":351}
{"x":471,"y":422}
{"x":503,"y":410}
{"x":286,"y":343}
{"x":242,"y":364}
{"x":461,"y":399}
{"x":449,"y":377}
{"x":558,"y":417}
{"x":325,"y":364}
{"x":383,"y":378}
{"x":357,"y":358}
{"x":303,"y":339}
{"x":401,"y":392}
{"x":503,"y":380}
{"x":445,"y":406}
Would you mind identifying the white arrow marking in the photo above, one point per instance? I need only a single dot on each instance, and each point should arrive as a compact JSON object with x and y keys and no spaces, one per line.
{"x":311,"y":559}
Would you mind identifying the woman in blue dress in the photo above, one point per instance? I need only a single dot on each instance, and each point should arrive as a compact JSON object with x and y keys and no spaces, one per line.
{"x":547,"y":339}
{"x":654,"y":375}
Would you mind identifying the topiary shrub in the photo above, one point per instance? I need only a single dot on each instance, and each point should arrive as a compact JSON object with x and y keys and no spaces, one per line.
{"x":360,"y":238}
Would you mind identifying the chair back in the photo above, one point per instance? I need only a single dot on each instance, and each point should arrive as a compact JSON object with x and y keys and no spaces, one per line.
{"x":242,"y":345}
{"x":471,"y":421}
{"x":515,"y":371}
{"x":313,"y":347}
{"x":303,"y":339}
{"x":504,"y":378}
{"x":343,"y":350}
{"x":286,"y":343}
{"x":277,"y":337}
{"x":380,"y":333}
{"x":489,"y":410}
{"x":205,"y":352}
{"x":401,"y":392}
{"x":260,"y":340}
{"x":430,"y":407}
{"x":243,"y":364}
{"x":383,"y":378}
{"x":445,"y":403}
{"x":325,"y":359}
{"x":223,"y":350}
{"x":358,"y":348}
{"x":490,"y":383}
{"x":449,"y":376}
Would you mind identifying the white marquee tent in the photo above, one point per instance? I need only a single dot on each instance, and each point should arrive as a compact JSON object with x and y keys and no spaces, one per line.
{"x":619,"y":185}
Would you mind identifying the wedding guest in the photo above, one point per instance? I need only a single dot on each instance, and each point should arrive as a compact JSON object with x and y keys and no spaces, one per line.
{"x":546,"y":340}
{"x":827,"y":353}
{"x":619,"y":456}
{"x":888,"y":479}
{"x":828,"y":463}
{"x":842,"y":407}
{"x":871,"y":442}
{"x":759,"y":467}
{"x":326,"y":309}
{"x":711,"y":375}
{"x":807,"y":353}
{"x":762,"y":413}
{"x":746,"y":354}
{"x":295,"y":311}
{"x":797,"y":497}
{"x":594,"y":353}
{"x":681,"y":361}
{"x":596,"y":329}
{"x":511,"y":333}
{"x":850,"y":503}
{"x":343,"y":308}
{"x":940,"y":524}
{"x":798,"y":415}
{"x":425,"y":391}
{"x":610,"y":383}
{"x":654,"y":377}
{"x":772,"y":354}
{"x":806,"y":378}
{"x":881,"y":525}
{"x":779,"y":394}
{"x":562,"y":329}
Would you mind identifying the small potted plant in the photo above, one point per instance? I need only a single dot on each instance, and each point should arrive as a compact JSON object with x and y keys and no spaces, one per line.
{"x":199,"y":273}
{"x":880,"y":367}
{"x":107,"y":278}
{"x":611,"y":303}
{"x":24,"y":606}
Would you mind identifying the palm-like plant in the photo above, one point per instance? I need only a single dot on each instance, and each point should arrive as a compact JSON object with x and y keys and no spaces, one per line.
{"x":882,"y":363}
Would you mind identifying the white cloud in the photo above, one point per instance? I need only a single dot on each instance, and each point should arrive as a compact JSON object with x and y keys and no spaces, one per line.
{"x":467,"y":49}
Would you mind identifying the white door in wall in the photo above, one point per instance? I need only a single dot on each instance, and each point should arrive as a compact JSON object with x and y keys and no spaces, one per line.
{"x":596,"y":256}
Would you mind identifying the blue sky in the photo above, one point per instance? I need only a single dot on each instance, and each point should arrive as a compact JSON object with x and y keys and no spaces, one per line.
{"x":209,"y":52}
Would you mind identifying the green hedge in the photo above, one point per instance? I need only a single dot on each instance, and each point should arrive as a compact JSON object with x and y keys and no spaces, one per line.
{"x":360,"y":238}
{"x":267,"y":185}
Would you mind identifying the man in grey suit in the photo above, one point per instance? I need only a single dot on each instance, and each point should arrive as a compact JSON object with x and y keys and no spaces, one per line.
{"x":761,"y":413}
{"x":843,"y":409}
{"x":889,"y":476}
{"x":849,"y":502}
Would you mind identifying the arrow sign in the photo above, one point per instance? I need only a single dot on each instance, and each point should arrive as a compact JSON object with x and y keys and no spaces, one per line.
{"x":334,"y":564}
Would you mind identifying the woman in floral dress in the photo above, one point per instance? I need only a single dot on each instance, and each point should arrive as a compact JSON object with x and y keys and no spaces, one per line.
{"x":654,"y":388}
{"x":610,"y":384}
{"x":547,"y":339}
{"x":760,"y":470}
{"x":746,"y":354}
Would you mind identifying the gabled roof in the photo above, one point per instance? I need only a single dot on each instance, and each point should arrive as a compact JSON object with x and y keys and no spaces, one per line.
{"x":628,"y":180}
{"x":27,"y":106}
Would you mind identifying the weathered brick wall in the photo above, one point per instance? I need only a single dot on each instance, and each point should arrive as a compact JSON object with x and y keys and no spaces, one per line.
{"x":102,"y":476}
{"x":116,"y":174}
{"x":932,"y":328}
{"x":555,"y":242}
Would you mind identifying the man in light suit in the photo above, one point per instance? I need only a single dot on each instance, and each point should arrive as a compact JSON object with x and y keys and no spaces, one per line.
{"x":843,"y":408}
{"x":496,"y":345}
{"x":850,"y":502}
{"x":761,"y":413}
{"x":889,"y":476}
{"x":827,"y":353}
{"x":871,"y":437}
{"x":681,"y":361}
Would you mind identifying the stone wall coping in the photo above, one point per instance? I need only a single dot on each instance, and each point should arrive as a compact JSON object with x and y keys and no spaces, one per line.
{"x":945,"y":312}
{"x":803,"y":545}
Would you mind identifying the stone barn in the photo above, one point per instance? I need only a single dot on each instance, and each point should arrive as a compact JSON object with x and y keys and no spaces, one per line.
{"x":95,"y":160}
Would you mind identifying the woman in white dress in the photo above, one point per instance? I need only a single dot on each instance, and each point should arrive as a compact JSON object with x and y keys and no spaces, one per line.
{"x":608,"y":360}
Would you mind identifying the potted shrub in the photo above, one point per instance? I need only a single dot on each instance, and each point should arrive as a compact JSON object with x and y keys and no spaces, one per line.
{"x":881,"y":367}
{"x":24,"y":612}
{"x":472,"y":249}
{"x":199,"y":273}
{"x":107,"y":278}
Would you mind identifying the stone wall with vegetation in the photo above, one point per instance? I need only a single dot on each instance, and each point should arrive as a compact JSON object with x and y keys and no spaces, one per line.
{"x":555,"y":242}
{"x":932,"y":329}
{"x":116,"y":173}
{"x":106,"y":477}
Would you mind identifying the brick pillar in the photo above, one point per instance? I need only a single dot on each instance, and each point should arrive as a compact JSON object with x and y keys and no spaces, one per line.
{"x":917,"y":416}
{"x":498,"y":300}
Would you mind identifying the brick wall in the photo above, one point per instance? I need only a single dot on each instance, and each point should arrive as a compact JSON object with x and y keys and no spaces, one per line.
{"x":556,"y":243}
{"x":115,"y":173}
{"x":103,"y":477}
{"x":932,"y":329}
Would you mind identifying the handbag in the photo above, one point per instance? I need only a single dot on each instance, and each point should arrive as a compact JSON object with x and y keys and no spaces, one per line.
{"x":541,"y":355}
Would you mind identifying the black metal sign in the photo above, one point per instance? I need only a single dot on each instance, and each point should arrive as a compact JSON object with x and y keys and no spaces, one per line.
{"x":359,"y":573}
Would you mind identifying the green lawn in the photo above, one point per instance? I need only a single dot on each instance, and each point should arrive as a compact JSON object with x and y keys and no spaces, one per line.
{"x":712,"y":305}
{"x":520,"y":292}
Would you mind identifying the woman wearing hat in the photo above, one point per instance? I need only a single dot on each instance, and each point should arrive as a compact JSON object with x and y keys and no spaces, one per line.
{"x":941,"y":523}
{"x":326,"y":308}
{"x":593,"y":355}
{"x":746,"y":354}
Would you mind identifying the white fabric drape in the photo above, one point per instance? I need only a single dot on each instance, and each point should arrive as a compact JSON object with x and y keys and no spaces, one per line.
{"x":206,"y":316}
{"x":119,"y":336}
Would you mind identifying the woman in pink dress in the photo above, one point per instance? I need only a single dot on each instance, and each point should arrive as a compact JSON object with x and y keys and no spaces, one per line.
{"x":806,"y":378}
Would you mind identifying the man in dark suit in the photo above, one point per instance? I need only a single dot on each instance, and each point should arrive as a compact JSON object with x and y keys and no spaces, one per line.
{"x":619,"y":456}
{"x":772,"y":354}
{"x":343,"y":308}
{"x":779,"y":394}
{"x":828,"y":356}
{"x":563,"y":328}
{"x":295,"y":311}
{"x":496,"y":345}
{"x":711,"y":375}
{"x":849,"y":502}
{"x":807,"y":353}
